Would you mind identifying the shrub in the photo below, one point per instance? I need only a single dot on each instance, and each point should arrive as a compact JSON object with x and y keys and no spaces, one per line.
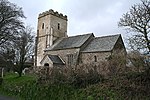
{"x":117,"y":64}
{"x":139,"y":61}
{"x":90,"y":98}
{"x":78,"y":78}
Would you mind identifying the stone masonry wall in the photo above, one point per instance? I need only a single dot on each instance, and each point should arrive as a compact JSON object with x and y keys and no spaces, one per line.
{"x":63,"y":54}
{"x":48,"y":23}
{"x":87,"y":62}
{"x":89,"y":58}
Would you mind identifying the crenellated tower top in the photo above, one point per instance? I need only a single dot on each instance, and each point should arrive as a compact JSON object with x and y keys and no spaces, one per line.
{"x":52,"y":12}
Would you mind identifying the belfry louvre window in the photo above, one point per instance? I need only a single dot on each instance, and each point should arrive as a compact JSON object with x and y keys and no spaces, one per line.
{"x":43,"y":26}
{"x":70,"y":59}
{"x":58,"y":26}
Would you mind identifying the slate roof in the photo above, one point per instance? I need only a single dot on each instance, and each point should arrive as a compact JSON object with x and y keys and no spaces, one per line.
{"x":71,"y":42}
{"x":55,"y":59}
{"x":99,"y":44}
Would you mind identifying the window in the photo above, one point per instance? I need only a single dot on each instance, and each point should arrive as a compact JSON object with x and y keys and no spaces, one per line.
{"x":95,"y":58}
{"x":58,"y":26}
{"x":43,"y":26}
{"x":70,"y":59}
{"x":37,"y":33}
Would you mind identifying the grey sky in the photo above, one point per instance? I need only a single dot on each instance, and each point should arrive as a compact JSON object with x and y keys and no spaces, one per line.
{"x":97,"y":16}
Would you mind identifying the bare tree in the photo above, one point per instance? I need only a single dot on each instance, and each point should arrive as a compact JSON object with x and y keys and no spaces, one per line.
{"x":10,"y":21}
{"x":24,"y":48}
{"x":137,"y":20}
{"x":7,"y":56}
{"x":138,"y":60}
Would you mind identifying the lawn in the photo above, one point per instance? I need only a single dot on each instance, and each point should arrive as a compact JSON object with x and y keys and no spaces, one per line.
{"x":12,"y":84}
{"x":14,"y":79}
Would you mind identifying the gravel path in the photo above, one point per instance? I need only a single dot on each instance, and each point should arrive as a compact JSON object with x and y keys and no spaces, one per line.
{"x":6,"y":98}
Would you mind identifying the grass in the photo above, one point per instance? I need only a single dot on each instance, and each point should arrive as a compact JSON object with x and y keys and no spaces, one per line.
{"x":117,"y":88}
{"x":13,"y":78}
{"x":12,"y":83}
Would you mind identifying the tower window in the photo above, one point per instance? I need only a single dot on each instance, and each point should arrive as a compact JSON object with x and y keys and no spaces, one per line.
{"x":95,"y":58}
{"x":43,"y":26}
{"x":58,"y":26}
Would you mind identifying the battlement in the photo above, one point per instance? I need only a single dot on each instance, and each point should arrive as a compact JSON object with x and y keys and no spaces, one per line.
{"x":52,"y":12}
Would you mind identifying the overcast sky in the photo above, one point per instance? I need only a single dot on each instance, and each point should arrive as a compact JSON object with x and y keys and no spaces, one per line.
{"x":84,"y":16}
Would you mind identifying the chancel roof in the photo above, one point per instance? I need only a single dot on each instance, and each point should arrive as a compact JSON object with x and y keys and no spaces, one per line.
{"x":99,"y":44}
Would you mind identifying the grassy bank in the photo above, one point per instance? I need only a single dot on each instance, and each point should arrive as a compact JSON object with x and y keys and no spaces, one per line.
{"x":26,"y":88}
{"x":12,"y":84}
{"x":124,"y":87}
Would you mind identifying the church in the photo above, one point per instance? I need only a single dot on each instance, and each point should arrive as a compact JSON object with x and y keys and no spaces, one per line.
{"x":54,"y":48}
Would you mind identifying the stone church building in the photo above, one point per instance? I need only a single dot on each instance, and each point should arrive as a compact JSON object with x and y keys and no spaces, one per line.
{"x":55,"y":48}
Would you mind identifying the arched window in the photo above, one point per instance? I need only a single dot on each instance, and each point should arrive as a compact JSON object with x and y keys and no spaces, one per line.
{"x":46,"y":65}
{"x":37,"y":33}
{"x":58,"y":26}
{"x":43,"y":26}
{"x":95,"y":58}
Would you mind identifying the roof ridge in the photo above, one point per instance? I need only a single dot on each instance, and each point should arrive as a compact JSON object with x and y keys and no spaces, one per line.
{"x":79,"y":35}
{"x":108,"y":36}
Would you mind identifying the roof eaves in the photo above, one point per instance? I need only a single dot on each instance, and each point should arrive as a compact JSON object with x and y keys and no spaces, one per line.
{"x":63,"y":49}
{"x":56,"y":62}
{"x":95,"y":51}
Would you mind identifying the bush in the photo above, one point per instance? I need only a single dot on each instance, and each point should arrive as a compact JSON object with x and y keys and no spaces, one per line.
{"x":82,"y":80}
{"x":124,"y":87}
{"x":117,"y":64}
{"x":139,"y":61}
{"x":77,"y":78}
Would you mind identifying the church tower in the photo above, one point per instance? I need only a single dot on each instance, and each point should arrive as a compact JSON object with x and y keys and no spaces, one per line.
{"x":51,"y":26}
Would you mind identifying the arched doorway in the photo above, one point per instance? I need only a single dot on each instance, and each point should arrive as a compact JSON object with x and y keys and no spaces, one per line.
{"x":46,"y":65}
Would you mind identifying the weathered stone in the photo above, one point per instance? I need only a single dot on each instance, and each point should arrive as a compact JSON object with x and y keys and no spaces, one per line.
{"x":85,"y":52}
{"x":50,"y":24}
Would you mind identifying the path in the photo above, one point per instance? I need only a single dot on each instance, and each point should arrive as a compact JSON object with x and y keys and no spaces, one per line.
{"x":5,"y":98}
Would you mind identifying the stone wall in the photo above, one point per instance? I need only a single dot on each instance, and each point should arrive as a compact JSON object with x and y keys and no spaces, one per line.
{"x":41,"y":45}
{"x":48,"y":27}
{"x":87,"y":62}
{"x":51,"y":21}
{"x":64,"y":54}
{"x":89,"y":58}
{"x":119,"y":47}
{"x":105,"y":63}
